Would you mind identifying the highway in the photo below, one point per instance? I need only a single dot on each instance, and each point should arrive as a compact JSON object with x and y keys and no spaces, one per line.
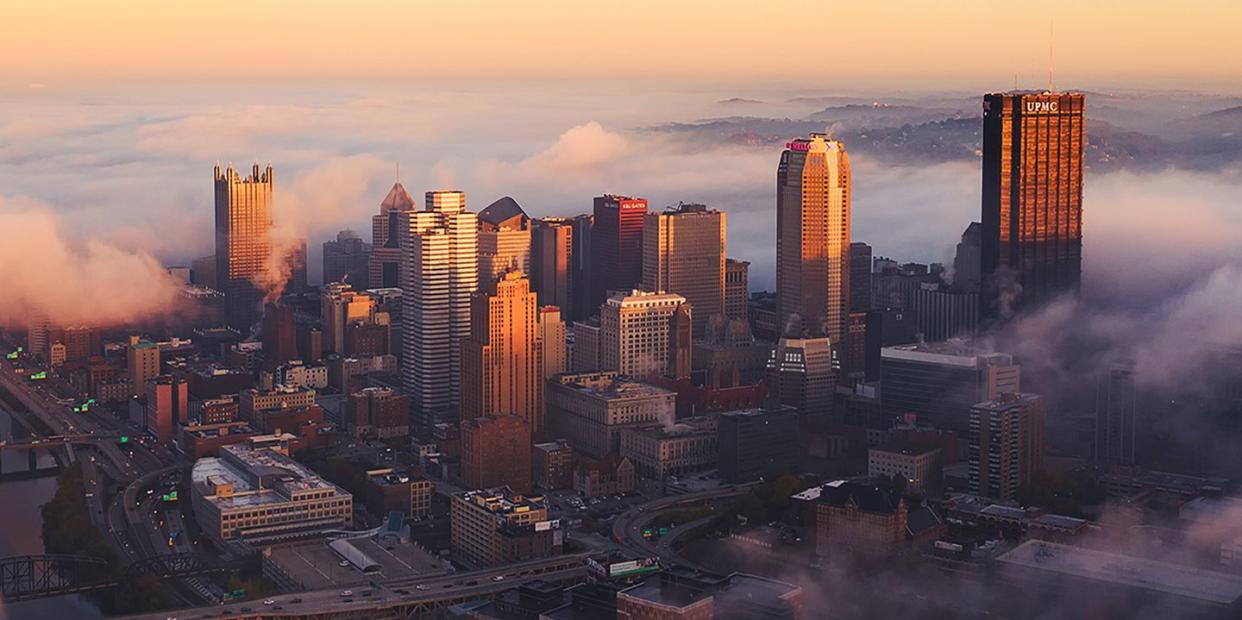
{"x":627,"y":529}
{"x":398,"y":597}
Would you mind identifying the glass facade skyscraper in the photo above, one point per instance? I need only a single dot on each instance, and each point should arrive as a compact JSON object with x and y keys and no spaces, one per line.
{"x":1032,"y":199}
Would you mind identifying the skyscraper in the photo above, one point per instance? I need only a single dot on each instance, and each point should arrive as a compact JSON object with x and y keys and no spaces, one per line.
{"x":800,"y":375}
{"x":504,"y":242}
{"x":552,"y":337}
{"x":684,"y":253}
{"x":340,"y":306}
{"x":143,"y":359}
{"x":346,"y":259}
{"x":279,"y":333}
{"x":441,"y":273}
{"x":243,"y":244}
{"x":582,"y":286}
{"x":1114,"y":414}
{"x":645,"y":334}
{"x":384,"y":263}
{"x":616,"y":245}
{"x":813,"y":239}
{"x":552,"y":258}
{"x":1006,"y":444}
{"x":1031,"y":242}
{"x":860,"y":277}
{"x":737,"y":289}
{"x":502,"y":360}
{"x":496,"y":450}
{"x":966,"y":260}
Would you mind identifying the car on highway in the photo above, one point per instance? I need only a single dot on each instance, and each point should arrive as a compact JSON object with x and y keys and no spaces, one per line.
{"x":345,"y":593}
{"x":270,"y":601}
{"x":343,"y":563}
{"x":295,"y":600}
{"x":421,"y":587}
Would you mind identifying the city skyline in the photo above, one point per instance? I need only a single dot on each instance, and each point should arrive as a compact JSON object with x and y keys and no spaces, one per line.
{"x":927,"y":310}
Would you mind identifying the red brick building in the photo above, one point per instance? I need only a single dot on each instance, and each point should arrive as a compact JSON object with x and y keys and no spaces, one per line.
{"x":496,"y":452}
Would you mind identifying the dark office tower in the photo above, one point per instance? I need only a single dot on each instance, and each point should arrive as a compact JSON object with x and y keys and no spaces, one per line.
{"x":1114,"y":415}
{"x":800,"y":375}
{"x":280,"y":343}
{"x":243,"y":224}
{"x":757,"y":443}
{"x":684,"y":253}
{"x":1031,"y":244}
{"x":813,"y":239}
{"x":737,"y":289}
{"x":616,"y":245}
{"x":966,"y":260}
{"x":581,"y":288}
{"x":551,"y":262}
{"x":297,"y":267}
{"x":346,"y":259}
{"x":860,"y":277}
{"x":944,"y":313}
{"x":385,"y":259}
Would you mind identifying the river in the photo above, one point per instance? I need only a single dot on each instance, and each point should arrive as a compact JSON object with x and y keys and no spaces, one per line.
{"x":21,"y":526}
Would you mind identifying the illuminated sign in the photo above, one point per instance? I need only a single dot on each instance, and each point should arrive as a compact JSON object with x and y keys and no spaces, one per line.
{"x":1042,"y":107}
{"x":798,"y":146}
{"x":12,"y":355}
{"x":633,"y":567}
{"x":39,"y":376}
{"x":124,"y":438}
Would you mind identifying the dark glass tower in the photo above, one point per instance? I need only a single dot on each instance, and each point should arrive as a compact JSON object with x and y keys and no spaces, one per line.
{"x":1031,"y":241}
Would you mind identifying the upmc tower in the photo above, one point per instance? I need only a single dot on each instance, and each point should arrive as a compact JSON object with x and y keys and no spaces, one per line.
{"x":1032,"y":199}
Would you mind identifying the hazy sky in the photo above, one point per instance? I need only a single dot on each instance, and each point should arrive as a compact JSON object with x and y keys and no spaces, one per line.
{"x":968,"y":43}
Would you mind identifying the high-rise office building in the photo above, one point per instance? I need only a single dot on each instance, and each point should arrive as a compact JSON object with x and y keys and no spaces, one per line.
{"x":966,"y":260}
{"x":616,"y":246}
{"x":384,"y":264}
{"x":346,"y":259}
{"x":1006,"y":444}
{"x":143,"y":359}
{"x":502,"y":360}
{"x":757,"y":443}
{"x":939,"y":382}
{"x":552,"y":338}
{"x":684,"y":253}
{"x":1031,"y":241}
{"x":339,"y":307}
{"x":1114,"y":414}
{"x":552,"y":256}
{"x":800,"y":375}
{"x":296,"y":261}
{"x":945,"y":313}
{"x":581,"y":288}
{"x":496,"y":451}
{"x":280,"y":342}
{"x":243,"y":244}
{"x":441,"y":273}
{"x":168,"y":402}
{"x":737,"y":289}
{"x":504,"y":242}
{"x":813,"y":239}
{"x":860,"y":277}
{"x":645,"y":334}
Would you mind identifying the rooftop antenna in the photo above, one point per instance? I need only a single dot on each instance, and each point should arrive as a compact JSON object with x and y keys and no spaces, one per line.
{"x":398,"y":172}
{"x":1050,"y":56}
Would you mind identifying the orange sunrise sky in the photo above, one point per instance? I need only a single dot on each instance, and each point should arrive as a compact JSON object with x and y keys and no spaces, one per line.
{"x":1140,"y":43}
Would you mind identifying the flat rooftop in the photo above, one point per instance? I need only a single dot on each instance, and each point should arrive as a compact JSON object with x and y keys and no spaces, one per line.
{"x":503,"y":500}
{"x":241,"y":466}
{"x":955,"y":352}
{"x":1173,"y":579}
{"x":316,"y":565}
{"x":601,"y":385}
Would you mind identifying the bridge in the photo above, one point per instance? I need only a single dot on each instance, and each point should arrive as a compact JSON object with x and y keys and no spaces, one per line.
{"x":36,"y":443}
{"x":36,"y":576}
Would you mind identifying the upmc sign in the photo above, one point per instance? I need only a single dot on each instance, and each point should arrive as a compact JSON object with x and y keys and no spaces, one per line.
{"x":1041,"y":107}
{"x":798,"y":146}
